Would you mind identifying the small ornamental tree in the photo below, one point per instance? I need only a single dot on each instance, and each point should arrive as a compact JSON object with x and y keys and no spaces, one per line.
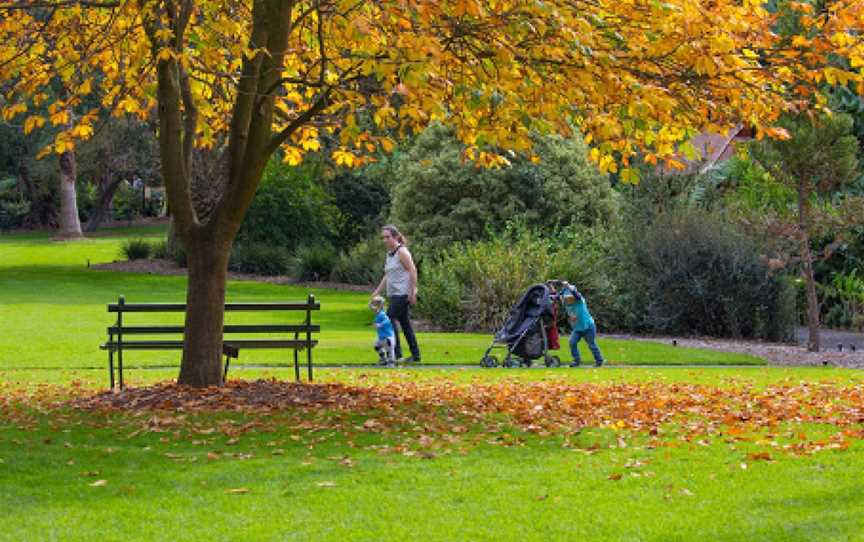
{"x":250,"y":77}
{"x":818,"y":159}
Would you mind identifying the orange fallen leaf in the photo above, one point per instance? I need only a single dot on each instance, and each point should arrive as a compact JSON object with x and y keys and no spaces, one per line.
{"x":759,"y":456}
{"x":237,"y":491}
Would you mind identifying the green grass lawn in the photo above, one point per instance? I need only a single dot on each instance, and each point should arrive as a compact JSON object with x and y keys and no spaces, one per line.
{"x":429,"y":468}
{"x":318,"y":474}
{"x":53,"y":309}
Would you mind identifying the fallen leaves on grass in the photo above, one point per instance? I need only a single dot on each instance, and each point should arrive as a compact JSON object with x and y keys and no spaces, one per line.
{"x":439,"y":416}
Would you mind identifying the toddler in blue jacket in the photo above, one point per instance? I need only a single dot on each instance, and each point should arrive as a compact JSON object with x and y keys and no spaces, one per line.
{"x":385,"y":344}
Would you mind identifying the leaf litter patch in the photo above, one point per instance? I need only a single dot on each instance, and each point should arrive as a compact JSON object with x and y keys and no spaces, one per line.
{"x":661,"y":414}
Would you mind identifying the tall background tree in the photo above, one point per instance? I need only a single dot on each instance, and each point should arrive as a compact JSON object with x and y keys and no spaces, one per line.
{"x":819,"y":159}
{"x":250,"y":78}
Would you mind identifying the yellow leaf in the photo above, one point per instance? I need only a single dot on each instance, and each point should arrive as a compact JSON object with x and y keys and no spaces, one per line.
{"x":343,"y":158}
{"x":128,"y":105}
{"x":10,"y":112}
{"x":293,"y":156}
{"x":99,"y":483}
{"x":60,"y":117}
{"x":82,"y":131}
{"x":630,"y":176}
{"x":44,"y":151}
{"x":32,"y":122}
{"x":311,"y":145}
{"x":165,"y":54}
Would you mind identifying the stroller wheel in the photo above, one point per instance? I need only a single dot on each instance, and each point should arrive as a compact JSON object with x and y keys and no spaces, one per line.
{"x":553,"y":361}
{"x":489,"y":361}
{"x":510,"y":362}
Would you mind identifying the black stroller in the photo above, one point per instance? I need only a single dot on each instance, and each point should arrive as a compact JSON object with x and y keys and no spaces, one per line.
{"x":523,"y":333}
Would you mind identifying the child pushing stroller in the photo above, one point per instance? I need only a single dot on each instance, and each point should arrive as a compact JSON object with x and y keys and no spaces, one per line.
{"x":530,"y":330}
{"x":525,"y":333}
{"x":581,"y":321}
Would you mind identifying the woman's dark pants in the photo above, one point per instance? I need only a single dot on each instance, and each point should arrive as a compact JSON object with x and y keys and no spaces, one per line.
{"x":399,"y":312}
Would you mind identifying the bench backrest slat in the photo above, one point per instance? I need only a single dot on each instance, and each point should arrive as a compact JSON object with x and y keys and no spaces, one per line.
{"x":231,"y":328}
{"x":181,"y":307}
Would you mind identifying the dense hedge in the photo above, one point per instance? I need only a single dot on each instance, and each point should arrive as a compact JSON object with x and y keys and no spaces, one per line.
{"x":700,"y":275}
{"x":686,"y":273}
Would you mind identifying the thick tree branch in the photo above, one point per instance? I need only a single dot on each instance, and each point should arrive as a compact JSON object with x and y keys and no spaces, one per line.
{"x":171,"y":147}
{"x":246,"y":94}
{"x":302,"y":119}
{"x":58,"y":4}
{"x":190,"y":121}
{"x":272,"y":23}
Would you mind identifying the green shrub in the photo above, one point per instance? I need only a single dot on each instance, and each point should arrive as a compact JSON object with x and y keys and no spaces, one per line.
{"x":135,"y":249}
{"x":180,"y":256}
{"x":363,"y":264}
{"x":587,"y":258}
{"x":361,"y":201}
{"x":127,"y":202}
{"x":701,"y":276}
{"x":314,"y":262}
{"x":472,"y":286}
{"x":260,"y":259}
{"x":12,"y":213}
{"x":441,"y":199}
{"x":86,"y":195}
{"x":846,"y":291}
{"x":290,"y":208}
{"x":159,"y":249}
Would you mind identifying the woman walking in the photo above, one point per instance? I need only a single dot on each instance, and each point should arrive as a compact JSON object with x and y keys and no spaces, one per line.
{"x":400,"y":284}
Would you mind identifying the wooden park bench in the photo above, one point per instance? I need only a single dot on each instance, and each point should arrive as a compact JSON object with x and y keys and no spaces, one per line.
{"x":123,"y":336}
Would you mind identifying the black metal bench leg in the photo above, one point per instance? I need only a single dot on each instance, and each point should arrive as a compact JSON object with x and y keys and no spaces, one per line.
{"x":111,"y":367}
{"x":296,"y":366}
{"x":225,"y":372}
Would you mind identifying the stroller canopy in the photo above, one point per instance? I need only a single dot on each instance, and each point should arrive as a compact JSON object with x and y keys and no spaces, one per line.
{"x":534,"y":303}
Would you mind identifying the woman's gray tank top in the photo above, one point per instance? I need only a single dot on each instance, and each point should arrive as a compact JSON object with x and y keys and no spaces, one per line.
{"x":397,"y":277}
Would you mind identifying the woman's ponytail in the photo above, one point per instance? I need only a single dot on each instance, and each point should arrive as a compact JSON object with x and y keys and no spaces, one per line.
{"x":394,"y":231}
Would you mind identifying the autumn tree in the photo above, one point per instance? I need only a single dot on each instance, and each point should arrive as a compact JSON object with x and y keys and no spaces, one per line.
{"x":253,"y":77}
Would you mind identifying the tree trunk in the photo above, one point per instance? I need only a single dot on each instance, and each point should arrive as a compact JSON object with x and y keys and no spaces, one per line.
{"x":70,"y":225}
{"x":205,"y":303}
{"x":807,"y":258}
{"x":107,"y":189}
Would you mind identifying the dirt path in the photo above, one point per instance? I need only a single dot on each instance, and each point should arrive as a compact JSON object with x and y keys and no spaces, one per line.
{"x":774,"y":353}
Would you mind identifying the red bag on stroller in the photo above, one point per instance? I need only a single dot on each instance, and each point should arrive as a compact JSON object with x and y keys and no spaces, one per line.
{"x":552,"y":339}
